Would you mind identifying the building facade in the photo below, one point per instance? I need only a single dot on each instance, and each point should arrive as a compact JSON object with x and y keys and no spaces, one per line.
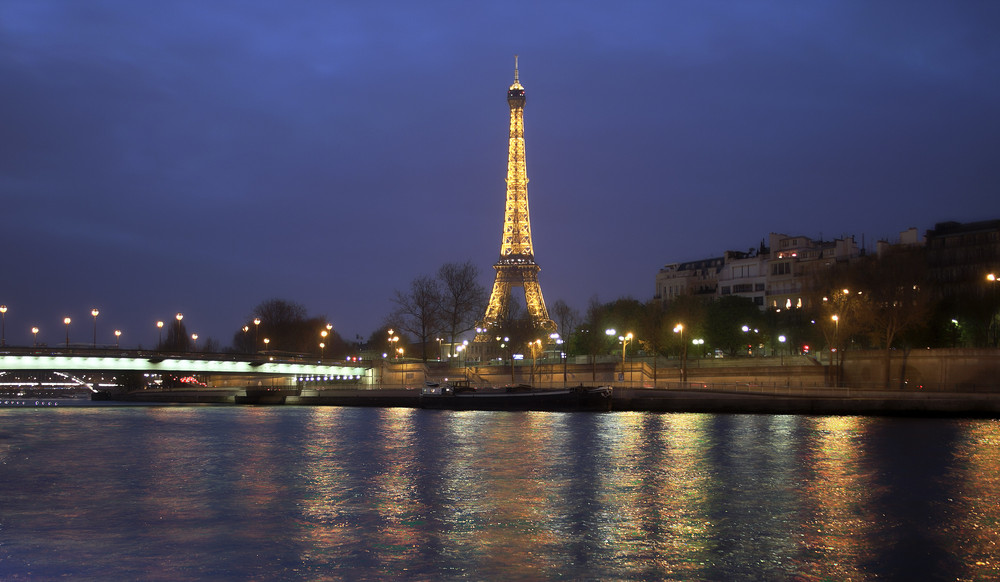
{"x":773,"y":276}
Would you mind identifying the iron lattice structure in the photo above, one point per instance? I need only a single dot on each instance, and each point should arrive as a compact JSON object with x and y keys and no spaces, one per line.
{"x":516,"y":267}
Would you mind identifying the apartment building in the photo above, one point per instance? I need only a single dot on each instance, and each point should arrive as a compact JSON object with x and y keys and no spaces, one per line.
{"x":772,"y":276}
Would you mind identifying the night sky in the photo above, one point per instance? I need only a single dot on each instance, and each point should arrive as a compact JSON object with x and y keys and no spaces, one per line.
{"x":204,"y":156}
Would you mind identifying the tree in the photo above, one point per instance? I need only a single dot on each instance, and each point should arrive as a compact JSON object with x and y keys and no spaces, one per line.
{"x":462,"y":298}
{"x":652,"y":332}
{"x":288,"y":328}
{"x":177,"y":339}
{"x":896,"y":298}
{"x":591,"y":339}
{"x":419,"y":311}
{"x":566,"y":318}
{"x":724,"y":321}
{"x":516,"y":332}
{"x":689,"y":311}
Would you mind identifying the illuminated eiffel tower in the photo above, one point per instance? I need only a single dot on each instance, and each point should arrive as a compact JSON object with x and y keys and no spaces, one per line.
{"x":516,"y":267}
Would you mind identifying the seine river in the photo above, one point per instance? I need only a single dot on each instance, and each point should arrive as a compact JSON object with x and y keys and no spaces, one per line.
{"x":326,"y":493}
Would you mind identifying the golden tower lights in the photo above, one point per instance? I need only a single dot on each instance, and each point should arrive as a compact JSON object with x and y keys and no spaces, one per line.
{"x":516,"y":266}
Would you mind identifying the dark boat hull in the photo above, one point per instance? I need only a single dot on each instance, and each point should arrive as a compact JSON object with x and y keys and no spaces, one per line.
{"x":257,"y":395}
{"x":567,"y":400}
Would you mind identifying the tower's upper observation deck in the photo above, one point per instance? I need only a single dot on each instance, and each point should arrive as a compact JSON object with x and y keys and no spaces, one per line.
{"x":515,"y":95}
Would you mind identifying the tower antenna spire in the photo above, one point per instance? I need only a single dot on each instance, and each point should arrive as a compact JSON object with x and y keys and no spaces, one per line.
{"x":515,"y":69}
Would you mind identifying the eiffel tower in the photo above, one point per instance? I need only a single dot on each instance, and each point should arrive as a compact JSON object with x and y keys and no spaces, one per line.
{"x":516,"y":267}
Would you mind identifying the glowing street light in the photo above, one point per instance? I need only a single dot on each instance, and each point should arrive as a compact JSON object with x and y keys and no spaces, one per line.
{"x":836,"y":343}
{"x":256,"y":330}
{"x":34,"y":333}
{"x":95,"y":312}
{"x":266,"y":341}
{"x":534,"y":345}
{"x":392,"y":342}
{"x":67,"y":322}
{"x":194,"y":342}
{"x":159,"y":328}
{"x":3,"y":325}
{"x":679,"y":328}
{"x":624,"y":339}
{"x":118,"y":335}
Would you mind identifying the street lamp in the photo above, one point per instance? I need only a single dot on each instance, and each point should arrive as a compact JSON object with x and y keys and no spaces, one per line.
{"x":992,"y":278}
{"x":177,"y":336}
{"x":256,"y":329}
{"x":533,"y":345}
{"x":34,"y":333}
{"x":679,"y":328}
{"x":67,"y":322}
{"x":159,"y":329}
{"x":392,"y":342}
{"x":94,"y":312}
{"x":624,"y":339}
{"x":266,"y":341}
{"x":3,"y":325}
{"x":118,"y":335}
{"x":836,"y":343}
{"x":194,"y":342}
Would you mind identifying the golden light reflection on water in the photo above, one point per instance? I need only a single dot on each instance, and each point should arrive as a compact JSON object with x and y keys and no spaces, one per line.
{"x":975,"y":530}
{"x":337,"y":493}
{"x":497,"y":486}
{"x":659,"y":481}
{"x":837,"y":497}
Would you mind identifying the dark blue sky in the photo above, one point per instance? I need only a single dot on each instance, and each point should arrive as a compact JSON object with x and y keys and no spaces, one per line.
{"x":203,"y":156}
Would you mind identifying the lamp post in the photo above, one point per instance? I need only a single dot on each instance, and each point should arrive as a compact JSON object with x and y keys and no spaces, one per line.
{"x":256,"y":330}
{"x":991,"y":278}
{"x":679,"y":328}
{"x":625,"y":339}
{"x":118,"y":335}
{"x":610,"y":332}
{"x":95,"y":312}
{"x":392,"y":342}
{"x":34,"y":333}
{"x":836,"y":346}
{"x":177,"y":335}
{"x":194,"y":342}
{"x":533,"y":345}
{"x":67,"y":321}
{"x":266,"y":341}
{"x":159,"y":329}
{"x":3,"y":325}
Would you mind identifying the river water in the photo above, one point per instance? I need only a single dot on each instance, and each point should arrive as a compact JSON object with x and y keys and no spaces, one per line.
{"x":327,"y":493}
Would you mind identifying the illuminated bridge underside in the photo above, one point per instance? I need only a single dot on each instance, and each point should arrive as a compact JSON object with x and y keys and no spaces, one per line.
{"x":173,"y":366}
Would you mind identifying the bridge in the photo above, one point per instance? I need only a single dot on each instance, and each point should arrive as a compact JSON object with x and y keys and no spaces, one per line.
{"x":96,"y":368}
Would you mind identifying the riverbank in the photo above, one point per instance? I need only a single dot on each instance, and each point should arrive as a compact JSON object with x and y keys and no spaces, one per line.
{"x":818,"y":402}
